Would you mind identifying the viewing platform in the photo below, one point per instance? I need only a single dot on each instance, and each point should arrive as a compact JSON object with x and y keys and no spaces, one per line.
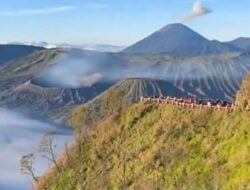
{"x":192,"y":103}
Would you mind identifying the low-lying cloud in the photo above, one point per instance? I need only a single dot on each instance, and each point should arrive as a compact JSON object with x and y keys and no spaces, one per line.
{"x":20,"y":135}
{"x":198,"y":10}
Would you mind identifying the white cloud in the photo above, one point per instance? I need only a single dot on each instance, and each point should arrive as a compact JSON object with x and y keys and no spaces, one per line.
{"x":198,"y":11}
{"x":21,"y":135}
{"x":42,"y":11}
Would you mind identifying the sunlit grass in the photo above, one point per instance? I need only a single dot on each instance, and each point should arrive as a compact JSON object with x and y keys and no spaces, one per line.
{"x":162,"y":147}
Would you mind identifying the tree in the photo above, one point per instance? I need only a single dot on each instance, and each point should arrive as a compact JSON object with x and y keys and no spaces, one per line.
{"x":26,"y":166}
{"x":47,"y":147}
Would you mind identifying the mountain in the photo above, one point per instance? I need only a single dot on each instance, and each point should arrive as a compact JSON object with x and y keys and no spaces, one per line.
{"x":120,"y":96}
{"x":178,"y":40}
{"x":214,"y":76}
{"x":52,"y":81}
{"x":22,"y":85}
{"x":11,"y":52}
{"x":157,"y":146}
{"x":49,"y":102}
{"x":242,"y":43}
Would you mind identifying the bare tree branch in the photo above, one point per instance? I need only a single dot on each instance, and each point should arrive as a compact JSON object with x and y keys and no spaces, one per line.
{"x":26,"y":166}
{"x":47,"y":147}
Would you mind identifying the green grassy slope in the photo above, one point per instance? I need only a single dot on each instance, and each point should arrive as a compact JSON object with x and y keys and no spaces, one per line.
{"x":150,"y":146}
{"x":243,"y":96}
{"x":118,"y":97}
{"x":31,"y":65}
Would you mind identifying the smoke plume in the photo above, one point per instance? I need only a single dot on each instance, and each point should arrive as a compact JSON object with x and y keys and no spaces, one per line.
{"x":198,"y":10}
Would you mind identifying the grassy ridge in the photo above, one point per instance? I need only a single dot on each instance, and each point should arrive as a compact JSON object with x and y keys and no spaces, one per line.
{"x":118,"y":97}
{"x":32,"y":64}
{"x":243,"y":96}
{"x":151,"y":146}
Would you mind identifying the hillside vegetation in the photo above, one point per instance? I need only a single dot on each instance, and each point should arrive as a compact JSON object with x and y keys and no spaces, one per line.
{"x":31,"y":65}
{"x":118,"y":97}
{"x":152,"y":146}
{"x":243,"y":96}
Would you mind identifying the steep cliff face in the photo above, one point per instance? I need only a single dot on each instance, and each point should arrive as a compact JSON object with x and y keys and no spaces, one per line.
{"x":243,"y":96}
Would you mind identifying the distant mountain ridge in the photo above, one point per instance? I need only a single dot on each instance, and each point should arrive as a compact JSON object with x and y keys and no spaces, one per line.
{"x":11,"y":52}
{"x":179,"y":40}
{"x":242,"y":43}
{"x":93,"y":47}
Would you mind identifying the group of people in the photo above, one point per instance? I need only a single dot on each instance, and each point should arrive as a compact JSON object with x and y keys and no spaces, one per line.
{"x":192,"y":102}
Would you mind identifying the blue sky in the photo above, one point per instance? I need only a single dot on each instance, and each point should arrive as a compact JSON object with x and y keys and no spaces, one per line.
{"x":118,"y":22}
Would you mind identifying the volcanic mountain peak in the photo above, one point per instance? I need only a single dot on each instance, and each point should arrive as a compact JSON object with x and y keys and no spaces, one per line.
{"x":178,"y":40}
{"x":181,"y":33}
{"x":167,"y":39}
{"x":174,"y":26}
{"x":178,"y":28}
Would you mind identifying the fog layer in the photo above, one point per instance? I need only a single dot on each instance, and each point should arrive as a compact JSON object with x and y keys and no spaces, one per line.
{"x":20,"y":135}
